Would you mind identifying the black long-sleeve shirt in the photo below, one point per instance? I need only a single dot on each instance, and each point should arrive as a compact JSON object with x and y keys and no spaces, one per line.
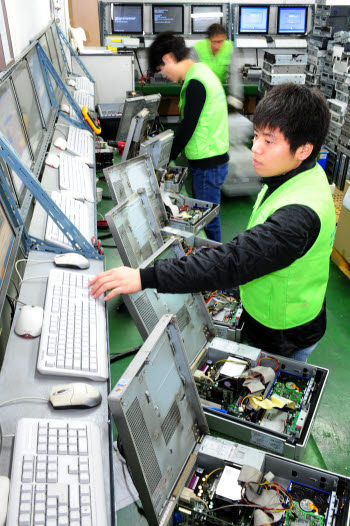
{"x":195,"y":99}
{"x":284,"y":237}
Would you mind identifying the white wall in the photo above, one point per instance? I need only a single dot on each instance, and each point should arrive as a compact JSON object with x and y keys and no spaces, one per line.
{"x":26,"y":19}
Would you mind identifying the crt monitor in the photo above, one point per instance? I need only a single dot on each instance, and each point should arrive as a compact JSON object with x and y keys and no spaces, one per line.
{"x":168,"y":18}
{"x":202,"y":16}
{"x":127,"y":18}
{"x":292,"y":20}
{"x":253,"y":19}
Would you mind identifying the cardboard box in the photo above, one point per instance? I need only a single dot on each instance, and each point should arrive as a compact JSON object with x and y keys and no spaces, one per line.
{"x":342,"y":234}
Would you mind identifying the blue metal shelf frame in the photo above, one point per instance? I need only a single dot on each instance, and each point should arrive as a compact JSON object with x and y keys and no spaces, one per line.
{"x":79,"y":243}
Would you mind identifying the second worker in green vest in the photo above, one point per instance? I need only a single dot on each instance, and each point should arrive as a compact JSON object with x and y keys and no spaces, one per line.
{"x":218,"y":53}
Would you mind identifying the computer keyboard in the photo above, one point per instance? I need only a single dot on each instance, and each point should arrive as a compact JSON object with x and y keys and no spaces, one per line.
{"x":81,"y":143}
{"x":57,"y":474}
{"x":73,"y":336}
{"x":76,"y":211}
{"x":75,"y":176}
{"x":84,"y":99}
{"x":83,"y":83}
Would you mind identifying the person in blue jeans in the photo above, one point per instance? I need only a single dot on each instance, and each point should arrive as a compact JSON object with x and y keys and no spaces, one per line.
{"x":203,"y":130}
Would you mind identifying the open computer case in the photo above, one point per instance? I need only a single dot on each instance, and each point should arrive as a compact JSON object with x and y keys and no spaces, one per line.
{"x":184,"y":476}
{"x":137,"y":236}
{"x":159,"y":148}
{"x":127,"y":177}
{"x":220,"y":367}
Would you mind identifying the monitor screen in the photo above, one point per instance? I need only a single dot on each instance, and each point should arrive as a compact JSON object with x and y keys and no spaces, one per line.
{"x":29,"y":107}
{"x":40,"y":84}
{"x":292,"y":20}
{"x":253,"y":19}
{"x":168,"y":18}
{"x":7,"y":242}
{"x":127,"y":18}
{"x":131,"y":107}
{"x":203,"y":16}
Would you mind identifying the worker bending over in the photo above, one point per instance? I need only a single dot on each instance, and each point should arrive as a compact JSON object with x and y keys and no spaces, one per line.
{"x":281,"y":261}
{"x":218,"y":53}
{"x":203,"y":130}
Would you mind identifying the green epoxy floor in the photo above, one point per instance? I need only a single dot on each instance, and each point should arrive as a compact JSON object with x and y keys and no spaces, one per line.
{"x":329,"y":443}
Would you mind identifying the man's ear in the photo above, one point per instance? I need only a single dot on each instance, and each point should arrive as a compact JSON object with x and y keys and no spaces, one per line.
{"x":304,"y":151}
{"x":169,"y":58}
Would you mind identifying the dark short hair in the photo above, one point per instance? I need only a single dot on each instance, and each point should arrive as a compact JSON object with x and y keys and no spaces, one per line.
{"x":215,"y":29}
{"x":301,"y":114}
{"x":165,"y":43}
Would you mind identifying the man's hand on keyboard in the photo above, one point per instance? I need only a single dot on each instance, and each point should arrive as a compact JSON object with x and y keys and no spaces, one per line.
{"x":121,"y":280}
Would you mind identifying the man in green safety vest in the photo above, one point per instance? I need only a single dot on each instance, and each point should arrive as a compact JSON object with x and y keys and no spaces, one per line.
{"x":203,"y":131}
{"x":218,"y":53}
{"x":281,"y":261}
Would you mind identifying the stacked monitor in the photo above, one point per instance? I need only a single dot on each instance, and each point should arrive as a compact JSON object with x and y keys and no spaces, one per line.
{"x":127,"y":19}
{"x":253,"y":19}
{"x":168,"y":18}
{"x":292,"y":20}
{"x":202,"y":16}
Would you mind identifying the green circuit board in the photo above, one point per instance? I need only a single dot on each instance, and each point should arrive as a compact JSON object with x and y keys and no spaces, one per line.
{"x":296,"y":514}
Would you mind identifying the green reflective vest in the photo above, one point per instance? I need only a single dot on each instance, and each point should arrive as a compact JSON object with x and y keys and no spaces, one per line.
{"x":210,"y":138}
{"x":218,"y":63}
{"x":294,"y":295}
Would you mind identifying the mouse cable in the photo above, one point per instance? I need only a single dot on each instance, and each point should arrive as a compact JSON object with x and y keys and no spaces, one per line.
{"x":119,"y":356}
{"x":26,"y":261}
{"x":12,"y":306}
{"x":24,"y":398}
{"x":31,"y":277}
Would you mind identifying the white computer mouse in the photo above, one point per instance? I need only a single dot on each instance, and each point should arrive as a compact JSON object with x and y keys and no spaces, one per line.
{"x":60,"y":143}
{"x":29,"y":321}
{"x":71,"y":260}
{"x":71,"y":82}
{"x":65,"y":108}
{"x":52,"y":160}
{"x":75,"y":395}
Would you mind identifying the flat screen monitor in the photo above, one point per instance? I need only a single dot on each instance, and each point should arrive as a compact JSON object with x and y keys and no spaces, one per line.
{"x":292,"y":20}
{"x":126,"y":19}
{"x":11,"y":127}
{"x":29,"y":107}
{"x":40,"y":84}
{"x":131,"y":107}
{"x":168,"y":18}
{"x":253,"y":19}
{"x":7,"y":243}
{"x":202,"y":16}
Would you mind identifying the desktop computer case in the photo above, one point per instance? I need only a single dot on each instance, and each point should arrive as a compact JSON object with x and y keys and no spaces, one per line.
{"x":164,"y":433}
{"x":127,"y":177}
{"x":199,"y":336}
{"x":137,"y":236}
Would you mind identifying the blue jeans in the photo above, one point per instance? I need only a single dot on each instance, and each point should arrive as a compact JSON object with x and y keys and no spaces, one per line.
{"x":206,"y":186}
{"x":303,"y":354}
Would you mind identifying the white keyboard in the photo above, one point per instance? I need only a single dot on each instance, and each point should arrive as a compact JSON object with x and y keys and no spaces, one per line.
{"x":83,"y":83}
{"x":57,"y":474}
{"x":81,"y":143}
{"x":73,"y":336}
{"x":76,"y":177}
{"x":76,"y":211}
{"x":84,"y":99}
